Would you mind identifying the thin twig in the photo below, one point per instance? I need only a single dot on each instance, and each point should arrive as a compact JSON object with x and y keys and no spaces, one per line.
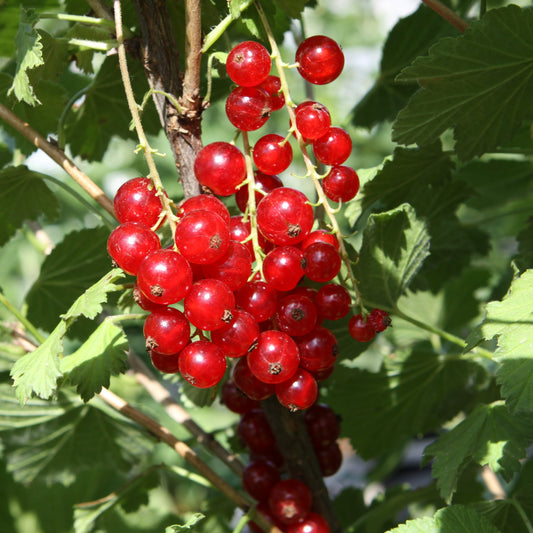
{"x":193,"y":55}
{"x":447,"y":14}
{"x":59,"y":157}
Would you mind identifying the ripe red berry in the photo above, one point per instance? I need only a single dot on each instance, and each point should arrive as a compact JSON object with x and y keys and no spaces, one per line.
{"x":258,"y":478}
{"x":341,"y":184}
{"x":322,"y":425}
{"x":143,"y":302}
{"x":137,"y":201}
{"x":165,"y":277}
{"x":272,"y":154}
{"x":202,"y":364}
{"x":322,"y":262}
{"x":320,"y":235}
{"x":334,"y":147}
{"x":312,"y":119}
{"x":130,"y":243}
{"x":275,"y":358}
{"x":298,"y":392}
{"x":290,"y":501}
{"x":248,"y":384}
{"x":255,"y":432}
{"x":248,"y":108}
{"x":333,"y":301}
{"x":264,"y":183}
{"x":360,"y":329}
{"x":221,"y":167}
{"x":296,"y":314}
{"x":320,"y":59}
{"x":318,"y":349}
{"x":168,"y":364}
{"x":238,"y":336}
{"x":272,"y":85}
{"x":248,"y":64}
{"x":379,"y":319}
{"x":312,"y":523}
{"x":283,"y":267}
{"x":234,"y":268}
{"x":235,"y":400}
{"x":258,"y":298}
{"x":207,"y":202}
{"x":166,"y":331}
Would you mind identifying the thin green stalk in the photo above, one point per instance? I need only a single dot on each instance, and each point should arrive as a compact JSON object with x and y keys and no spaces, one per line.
{"x":83,"y":19}
{"x":482,"y":8}
{"x":101,"y":46}
{"x":242,"y":522}
{"x":21,"y":318}
{"x":522,"y":514}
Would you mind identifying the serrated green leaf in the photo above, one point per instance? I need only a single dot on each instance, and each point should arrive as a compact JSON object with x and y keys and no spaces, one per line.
{"x":511,"y":322}
{"x":395,"y":244}
{"x":76,"y":263}
{"x":454,"y":519}
{"x":479,"y":84}
{"x":188,"y":526}
{"x":102,"y":355}
{"x":28,"y":56}
{"x":490,"y":435}
{"x":23,"y":196}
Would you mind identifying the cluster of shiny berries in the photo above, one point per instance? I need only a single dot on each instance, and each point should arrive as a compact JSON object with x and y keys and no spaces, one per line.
{"x":285,"y":501}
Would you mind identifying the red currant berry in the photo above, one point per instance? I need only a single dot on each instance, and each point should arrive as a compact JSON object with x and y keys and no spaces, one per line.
{"x":258,"y":298}
{"x":285,"y":216}
{"x":272,"y":154}
{"x":206,"y":202}
{"x":221,"y":167}
{"x":296,"y":315}
{"x":166,"y":331}
{"x":165,"y":277}
{"x":322,"y":262}
{"x":322,"y":375}
{"x":202,"y":237}
{"x":168,"y":364}
{"x":263,"y":185}
{"x":143,"y":302}
{"x":248,"y":384}
{"x":320,"y":235}
{"x":272,"y":85}
{"x":283,"y":267}
{"x":209,"y":304}
{"x":137,"y":201}
{"x":334,"y":147}
{"x":258,"y":478}
{"x":275,"y":358}
{"x":312,"y":523}
{"x":290,"y":501}
{"x":318,"y":349}
{"x":264,"y":509}
{"x":360,"y":329}
{"x":234,"y":268}
{"x":329,"y":459}
{"x":320,"y":59}
{"x":248,"y":108}
{"x":130,"y":243}
{"x":312,"y":119}
{"x":298,"y":392}
{"x":341,"y":184}
{"x":379,"y":319}
{"x":236,"y":338}
{"x":322,"y":425}
{"x":255,"y":432}
{"x":202,"y":364}
{"x":333,"y":301}
{"x":235,"y":400}
{"x":248,"y":64}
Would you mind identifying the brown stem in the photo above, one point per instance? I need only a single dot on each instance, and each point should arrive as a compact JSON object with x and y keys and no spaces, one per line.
{"x":447,"y":14}
{"x":59,"y":157}
{"x":193,"y":54}
{"x":160,"y":394}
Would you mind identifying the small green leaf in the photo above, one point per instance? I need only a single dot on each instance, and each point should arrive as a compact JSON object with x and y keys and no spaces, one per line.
{"x":395,"y":244}
{"x":479,"y":84}
{"x":490,"y":435}
{"x":23,"y":196}
{"x":186,"y":527}
{"x":28,"y":56}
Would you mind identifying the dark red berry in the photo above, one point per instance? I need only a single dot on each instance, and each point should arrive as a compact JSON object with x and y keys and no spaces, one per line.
{"x":248,"y":64}
{"x":255,"y":432}
{"x":137,"y":201}
{"x":320,"y":59}
{"x":318,"y":349}
{"x":298,"y":392}
{"x":312,"y":523}
{"x":360,"y":329}
{"x":258,"y":298}
{"x":272,"y":154}
{"x":334,"y":147}
{"x":333,"y":301}
{"x":341,"y":184}
{"x":296,"y":314}
{"x":166,"y":331}
{"x":258,"y":478}
{"x":234,"y":268}
{"x":235,"y":400}
{"x":329,"y":459}
{"x":248,"y":108}
{"x":248,"y":384}
{"x":238,"y":336}
{"x":322,"y":425}
{"x":290,"y":501}
{"x":379,"y":319}
{"x":322,"y":262}
{"x":168,"y":364}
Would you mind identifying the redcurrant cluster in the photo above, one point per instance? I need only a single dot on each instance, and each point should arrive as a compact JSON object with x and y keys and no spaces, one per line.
{"x":286,"y":502}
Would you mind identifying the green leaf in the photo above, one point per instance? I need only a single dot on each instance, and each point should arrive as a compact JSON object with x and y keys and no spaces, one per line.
{"x":454,"y":519}
{"x":479,"y":84}
{"x":23,"y":196}
{"x":490,"y":435}
{"x":294,"y":8}
{"x":524,"y":259}
{"x":186,"y":527}
{"x":511,"y":322}
{"x":28,"y":56}
{"x":102,"y":355}
{"x":395,"y":244}
{"x":75,"y":263}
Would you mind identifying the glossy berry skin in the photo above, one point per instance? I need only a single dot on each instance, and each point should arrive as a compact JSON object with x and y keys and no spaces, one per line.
{"x":202,"y":364}
{"x":341,"y":184}
{"x":322,"y":375}
{"x":320,"y":235}
{"x":379,"y":319}
{"x":322,"y":425}
{"x":221,"y":167}
{"x":264,"y":183}
{"x":235,"y":400}
{"x":360,"y":329}
{"x":298,"y":392}
{"x":333,"y":301}
{"x":312,"y":523}
{"x":202,"y":237}
{"x":296,"y":315}
{"x":322,"y":262}
{"x":329,"y":459}
{"x":207,"y":202}
{"x":312,"y":119}
{"x":272,"y":85}
{"x":168,"y":364}
{"x":258,"y":298}
{"x":248,"y":384}
{"x":255,"y":432}
{"x":320,"y":59}
{"x":130,"y":243}
{"x":285,"y":216}
{"x":275,"y":357}
{"x":290,"y":501}
{"x":236,"y":338}
{"x":136,"y":201}
{"x":258,"y":478}
{"x":283,"y":267}
{"x":165,"y":277}
{"x":318,"y":349}
{"x":248,"y":108}
{"x":234,"y":268}
{"x":248,"y":64}
{"x":272,"y":154}
{"x":143,"y":302}
{"x":166,"y":331}
{"x":334,"y":147}
{"x":209,"y":304}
